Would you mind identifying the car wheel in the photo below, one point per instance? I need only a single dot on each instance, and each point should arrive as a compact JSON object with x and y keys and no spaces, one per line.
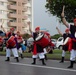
{"x":60,"y":47}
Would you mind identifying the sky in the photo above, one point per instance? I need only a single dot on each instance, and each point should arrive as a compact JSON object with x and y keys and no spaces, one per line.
{"x":44,"y":20}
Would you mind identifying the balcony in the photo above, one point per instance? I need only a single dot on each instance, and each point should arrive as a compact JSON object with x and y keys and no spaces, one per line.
{"x":12,"y":0}
{"x":12,"y":15}
{"x":25,"y":1}
{"x":28,"y":20}
{"x":25,"y":9}
{"x":11,"y":23}
{"x":28,"y":12}
{"x":28,"y":5}
{"x":14,"y":7}
{"x":25,"y":17}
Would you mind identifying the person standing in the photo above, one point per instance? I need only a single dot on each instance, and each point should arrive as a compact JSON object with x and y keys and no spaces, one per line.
{"x":11,"y":44}
{"x":72,"y":28}
{"x":65,"y":47}
{"x":18,"y":43}
{"x":37,"y":49}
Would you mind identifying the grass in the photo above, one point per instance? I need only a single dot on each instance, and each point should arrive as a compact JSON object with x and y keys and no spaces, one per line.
{"x":56,"y":54}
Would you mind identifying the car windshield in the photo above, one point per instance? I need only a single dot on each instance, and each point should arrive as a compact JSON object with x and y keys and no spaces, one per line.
{"x":60,"y":39}
{"x":53,"y":40}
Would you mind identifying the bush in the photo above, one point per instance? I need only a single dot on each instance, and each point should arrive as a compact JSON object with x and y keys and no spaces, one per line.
{"x":26,"y":36}
{"x":56,"y":36}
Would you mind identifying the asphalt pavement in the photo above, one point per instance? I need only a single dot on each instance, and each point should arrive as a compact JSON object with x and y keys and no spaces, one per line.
{"x":24,"y":67}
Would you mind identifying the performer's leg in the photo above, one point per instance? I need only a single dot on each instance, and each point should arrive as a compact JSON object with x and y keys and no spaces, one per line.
{"x":45,"y":56}
{"x":45,"y":52}
{"x":8,"y":54}
{"x":63,"y":55}
{"x":34,"y":59}
{"x":43,"y":62}
{"x":15,"y":53}
{"x":21,"y":54}
{"x":72,"y":58}
{"x":42,"y":57}
{"x":75,"y":56}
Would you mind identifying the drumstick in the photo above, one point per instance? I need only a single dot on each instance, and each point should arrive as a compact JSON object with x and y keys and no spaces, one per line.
{"x":57,"y":24}
{"x":2,"y":22}
{"x":63,"y":8}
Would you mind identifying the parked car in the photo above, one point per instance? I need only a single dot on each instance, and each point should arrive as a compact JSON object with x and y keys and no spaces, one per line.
{"x":30,"y":41}
{"x":59,"y":43}
{"x":54,"y":41}
{"x":30,"y":44}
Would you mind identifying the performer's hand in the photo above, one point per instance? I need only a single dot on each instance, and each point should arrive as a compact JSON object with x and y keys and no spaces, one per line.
{"x":57,"y":28}
{"x":1,"y":26}
{"x":62,"y":14}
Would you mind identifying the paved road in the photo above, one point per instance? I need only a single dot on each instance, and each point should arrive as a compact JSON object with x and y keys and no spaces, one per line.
{"x":24,"y":67}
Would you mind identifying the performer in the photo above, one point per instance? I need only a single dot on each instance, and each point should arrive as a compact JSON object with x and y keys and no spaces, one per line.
{"x":1,"y":40}
{"x":65,"y":47}
{"x":18,"y":43}
{"x":11,"y":44}
{"x":73,"y":38}
{"x":1,"y":43}
{"x":37,"y":49}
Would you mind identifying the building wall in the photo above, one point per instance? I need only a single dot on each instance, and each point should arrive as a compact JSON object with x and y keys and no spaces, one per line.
{"x":3,"y":13}
{"x":16,"y":13}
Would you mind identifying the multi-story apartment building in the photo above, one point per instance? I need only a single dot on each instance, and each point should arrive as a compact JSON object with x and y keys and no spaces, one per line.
{"x":3,"y":13}
{"x":16,"y":13}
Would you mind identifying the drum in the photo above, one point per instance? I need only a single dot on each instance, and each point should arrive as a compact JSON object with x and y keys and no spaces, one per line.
{"x":11,"y":41}
{"x":42,"y":40}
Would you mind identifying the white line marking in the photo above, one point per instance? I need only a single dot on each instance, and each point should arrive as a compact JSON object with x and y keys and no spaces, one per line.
{"x":55,"y":68}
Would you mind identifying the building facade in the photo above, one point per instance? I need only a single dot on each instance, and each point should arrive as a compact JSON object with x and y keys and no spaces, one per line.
{"x":17,"y":14}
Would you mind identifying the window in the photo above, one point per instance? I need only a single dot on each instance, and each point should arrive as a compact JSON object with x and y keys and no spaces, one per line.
{"x":3,"y":11}
{"x":60,"y":39}
{"x":1,"y":3}
{"x":28,"y":0}
{"x":0,"y":20}
{"x":0,"y":11}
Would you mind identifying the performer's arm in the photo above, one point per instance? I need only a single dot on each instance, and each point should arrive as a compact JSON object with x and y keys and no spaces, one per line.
{"x":63,"y":18}
{"x":3,"y":28}
{"x":29,"y":28}
{"x":59,"y":31}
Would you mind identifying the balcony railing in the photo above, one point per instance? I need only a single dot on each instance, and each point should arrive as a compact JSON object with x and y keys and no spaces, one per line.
{"x":25,"y":17}
{"x":11,"y":15}
{"x":25,"y":9}
{"x":11,"y":23}
{"x":25,"y":1}
{"x":11,"y":7}
{"x":12,"y":0}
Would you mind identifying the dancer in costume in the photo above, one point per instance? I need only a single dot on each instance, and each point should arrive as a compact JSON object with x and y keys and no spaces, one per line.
{"x":11,"y":44}
{"x":65,"y":47}
{"x":72,"y":39}
{"x":37,"y":48}
{"x":19,"y":43}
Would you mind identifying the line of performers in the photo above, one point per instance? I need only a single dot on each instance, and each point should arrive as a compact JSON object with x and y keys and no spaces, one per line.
{"x":42,"y":40}
{"x":13,"y":43}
